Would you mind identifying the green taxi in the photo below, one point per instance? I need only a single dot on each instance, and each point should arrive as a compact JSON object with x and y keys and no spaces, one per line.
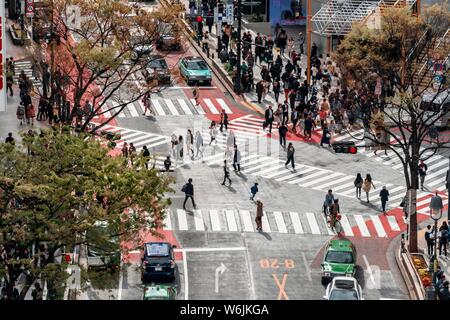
{"x":195,"y":70}
{"x":159,"y":292}
{"x":339,"y":260}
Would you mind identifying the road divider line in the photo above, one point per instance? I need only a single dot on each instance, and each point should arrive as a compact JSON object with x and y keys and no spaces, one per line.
{"x":186,"y":279}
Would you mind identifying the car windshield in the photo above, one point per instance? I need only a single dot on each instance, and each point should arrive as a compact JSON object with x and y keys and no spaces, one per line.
{"x":197,"y":65}
{"x":157,"y":249}
{"x":340,"y":294}
{"x":339,"y":257}
{"x":157,"y":64}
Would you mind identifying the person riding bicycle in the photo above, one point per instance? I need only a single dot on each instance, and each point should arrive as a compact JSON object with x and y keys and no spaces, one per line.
{"x":329,"y":199}
{"x":334,"y":211}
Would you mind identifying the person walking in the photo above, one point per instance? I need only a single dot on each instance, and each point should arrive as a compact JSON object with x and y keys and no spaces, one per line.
{"x":309,"y":125}
{"x":326,"y":136}
{"x":146,"y":155}
{"x":10,"y":82}
{"x":254,"y":190}
{"x":196,"y":94}
{"x":125,"y":150}
{"x":384,"y":197}
{"x":190,"y":143}
{"x":213,"y":132}
{"x":146,"y":102}
{"x":29,"y":113}
{"x":259,"y":215}
{"x":443,"y":238}
{"x":301,"y":42}
{"x":9,"y":139}
{"x":226,"y":173}
{"x":167,"y":164}
{"x":37,"y":292}
{"x":188,"y":190}
{"x":358,"y":185}
{"x":223,"y":120}
{"x":367,"y":186}
{"x":422,"y":173}
{"x":180,"y":147}
{"x":132,"y":151}
{"x":236,"y":159}
{"x":282,"y":131}
{"x":429,"y":238}
{"x":268,"y":115}
{"x":20,"y":112}
{"x":290,"y":156}
{"x":199,"y":144}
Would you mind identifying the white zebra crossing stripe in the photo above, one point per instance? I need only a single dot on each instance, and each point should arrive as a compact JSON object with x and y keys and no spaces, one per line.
{"x":271,"y":168}
{"x":334,"y":182}
{"x":231,"y":221}
{"x":329,"y":231}
{"x":308,"y":177}
{"x":280,"y":222}
{"x":265,"y":223}
{"x":171,"y":107}
{"x":346,"y":226}
{"x":116,"y":109}
{"x":313,"y":223}
{"x":344,"y":186}
{"x":211,"y":106}
{"x":224,"y":106}
{"x":167,"y":222}
{"x":327,"y":177}
{"x":362,"y":226}
{"x":198,"y":218}
{"x":197,"y":107}
{"x":158,"y":108}
{"x":378,"y":226}
{"x":132,"y":110}
{"x":246,"y":220}
{"x":393,"y":223}
{"x":182,"y":221}
{"x":295,"y":174}
{"x":215,"y":221}
{"x":184,"y":106}
{"x":296,"y":222}
{"x":263,"y":165}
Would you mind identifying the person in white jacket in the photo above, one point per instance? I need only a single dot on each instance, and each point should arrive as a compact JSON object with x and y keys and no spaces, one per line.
{"x":199,"y":143}
{"x":236,"y":159}
{"x":213,"y":132}
{"x":190,"y":143}
{"x":231,"y":142}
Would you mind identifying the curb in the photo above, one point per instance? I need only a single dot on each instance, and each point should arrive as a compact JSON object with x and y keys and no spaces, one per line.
{"x":409,"y":275}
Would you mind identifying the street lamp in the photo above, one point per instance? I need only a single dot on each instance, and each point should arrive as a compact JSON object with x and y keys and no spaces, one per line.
{"x":436,"y":207}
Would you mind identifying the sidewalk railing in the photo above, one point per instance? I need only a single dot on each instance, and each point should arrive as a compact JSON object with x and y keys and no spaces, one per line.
{"x":410,"y":274}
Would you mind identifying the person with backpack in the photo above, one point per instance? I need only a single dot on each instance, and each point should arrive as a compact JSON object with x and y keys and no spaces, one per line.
{"x":188,"y":190}
{"x":358,"y":185}
{"x":429,"y":238}
{"x":254,"y":190}
{"x":384,"y":196}
{"x":443,"y":238}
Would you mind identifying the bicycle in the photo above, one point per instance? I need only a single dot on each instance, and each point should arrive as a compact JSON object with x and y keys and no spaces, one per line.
{"x":335,"y":224}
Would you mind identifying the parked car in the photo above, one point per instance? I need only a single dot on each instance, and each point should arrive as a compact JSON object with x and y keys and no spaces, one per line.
{"x":339,"y":260}
{"x":343,"y":288}
{"x":159,"y":292}
{"x":168,"y":38}
{"x":142,"y":48}
{"x":157,"y":69}
{"x":195,"y":70}
{"x":158,"y":261}
{"x":102,"y":251}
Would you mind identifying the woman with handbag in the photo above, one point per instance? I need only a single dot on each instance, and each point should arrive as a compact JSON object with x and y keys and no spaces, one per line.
{"x":358,"y":185}
{"x":367,"y":186}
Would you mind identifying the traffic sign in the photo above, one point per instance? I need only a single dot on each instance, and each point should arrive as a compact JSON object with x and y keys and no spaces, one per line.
{"x":29,"y":8}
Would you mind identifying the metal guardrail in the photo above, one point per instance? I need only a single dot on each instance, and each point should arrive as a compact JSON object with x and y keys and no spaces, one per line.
{"x":437,"y":46}
{"x":418,"y":42}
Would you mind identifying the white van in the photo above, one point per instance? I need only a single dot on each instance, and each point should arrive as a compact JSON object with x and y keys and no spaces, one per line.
{"x":437,"y":105}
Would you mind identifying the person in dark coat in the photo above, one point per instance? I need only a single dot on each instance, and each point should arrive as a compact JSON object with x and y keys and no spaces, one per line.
{"x":326,"y":136}
{"x":226,"y":173}
{"x":282,"y":131}
{"x":309,"y":124}
{"x":384,"y":197}
{"x":188,"y":190}
{"x":260,"y":90}
{"x":268,"y":115}
{"x":210,"y":20}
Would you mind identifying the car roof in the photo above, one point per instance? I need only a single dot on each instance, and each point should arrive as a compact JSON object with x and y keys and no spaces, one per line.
{"x":344,"y":282}
{"x":340,"y":245}
{"x":193,"y":58}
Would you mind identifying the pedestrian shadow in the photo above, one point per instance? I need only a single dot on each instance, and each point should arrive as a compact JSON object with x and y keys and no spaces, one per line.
{"x":233,"y":190}
{"x":151,"y":118}
{"x":265,"y":234}
{"x":369,"y":205}
{"x":242,"y":176}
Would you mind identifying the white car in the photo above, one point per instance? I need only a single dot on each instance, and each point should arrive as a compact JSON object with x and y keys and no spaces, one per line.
{"x":343,"y":288}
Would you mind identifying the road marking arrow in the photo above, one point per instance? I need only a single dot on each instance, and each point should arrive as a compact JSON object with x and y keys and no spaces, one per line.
{"x":219,"y":270}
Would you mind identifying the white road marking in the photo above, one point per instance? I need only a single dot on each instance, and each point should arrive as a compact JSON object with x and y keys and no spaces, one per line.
{"x":312,"y":175}
{"x":296,"y":222}
{"x":186,"y":281}
{"x":210,"y":249}
{"x":167,"y":222}
{"x":307,"y":269}
{"x":393,"y":223}
{"x":362,"y":225}
{"x":132,"y":110}
{"x":329,"y":231}
{"x":246,"y":220}
{"x":182,"y":221}
{"x":378,"y":226}
{"x":280,"y":222}
{"x":369,"y":269}
{"x":329,"y":177}
{"x":215,"y":222}
{"x":184,"y":106}
{"x":198,"y":217}
{"x":265,"y":223}
{"x":313,"y":223}
{"x":171,"y":107}
{"x":158,"y":108}
{"x":231,"y":221}
{"x":198,"y":108}
{"x":119,"y":293}
{"x":211,"y":106}
{"x":295,"y":174}
{"x":115,"y":104}
{"x":346,"y":226}
{"x":224,"y":105}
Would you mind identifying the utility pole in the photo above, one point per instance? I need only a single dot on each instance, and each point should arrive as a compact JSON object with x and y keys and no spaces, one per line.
{"x":412,"y":193}
{"x":239,"y":53}
{"x":308,"y":45}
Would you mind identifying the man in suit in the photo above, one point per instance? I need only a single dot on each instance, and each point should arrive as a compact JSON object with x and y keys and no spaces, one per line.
{"x":269,"y":118}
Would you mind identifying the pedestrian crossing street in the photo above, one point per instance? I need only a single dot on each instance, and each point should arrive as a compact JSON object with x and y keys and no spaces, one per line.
{"x":215,"y":220}
{"x":26,"y":67}
{"x":171,"y":107}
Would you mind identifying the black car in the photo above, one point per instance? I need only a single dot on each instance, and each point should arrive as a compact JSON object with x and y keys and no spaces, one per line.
{"x":158,"y":261}
{"x":168,"y":38}
{"x":157,"y":69}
